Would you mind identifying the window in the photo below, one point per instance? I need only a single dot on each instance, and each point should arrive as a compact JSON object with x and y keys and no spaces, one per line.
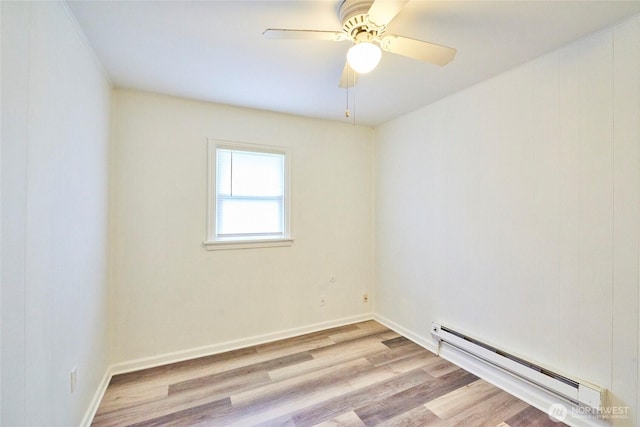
{"x":248,"y":196}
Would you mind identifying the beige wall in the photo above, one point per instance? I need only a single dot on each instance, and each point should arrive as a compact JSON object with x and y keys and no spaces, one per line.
{"x":174,"y":296}
{"x":510,"y":211}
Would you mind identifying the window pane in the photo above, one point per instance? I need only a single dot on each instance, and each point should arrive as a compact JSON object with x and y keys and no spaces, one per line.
{"x":250,"y":194}
{"x":223,"y":171}
{"x":247,"y":216}
{"x":248,"y":173}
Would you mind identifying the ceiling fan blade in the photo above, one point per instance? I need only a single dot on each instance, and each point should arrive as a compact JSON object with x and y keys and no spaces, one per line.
{"x":349,"y":77}
{"x":284,"y":34}
{"x":382,"y":12}
{"x":417,"y":49}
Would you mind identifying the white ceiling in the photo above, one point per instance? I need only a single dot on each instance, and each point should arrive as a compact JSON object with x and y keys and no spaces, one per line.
{"x":214,"y":50}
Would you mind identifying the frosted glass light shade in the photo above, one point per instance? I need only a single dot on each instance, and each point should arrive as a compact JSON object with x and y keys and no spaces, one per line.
{"x":364,"y":57}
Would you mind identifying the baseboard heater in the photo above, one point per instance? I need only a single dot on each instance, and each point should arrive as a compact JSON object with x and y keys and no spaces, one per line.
{"x":575,"y":391}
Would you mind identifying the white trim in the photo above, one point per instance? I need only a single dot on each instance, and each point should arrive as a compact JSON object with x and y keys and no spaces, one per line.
{"x":214,"y":245}
{"x":428,"y":343}
{"x":210,"y":242}
{"x":97,"y":398}
{"x":179,"y":356}
{"x":521,"y":389}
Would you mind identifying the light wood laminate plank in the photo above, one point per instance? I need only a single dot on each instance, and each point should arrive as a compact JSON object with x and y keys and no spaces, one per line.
{"x":355,"y":375}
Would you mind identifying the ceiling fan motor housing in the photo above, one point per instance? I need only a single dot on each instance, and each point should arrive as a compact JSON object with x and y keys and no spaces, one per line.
{"x":355,"y":19}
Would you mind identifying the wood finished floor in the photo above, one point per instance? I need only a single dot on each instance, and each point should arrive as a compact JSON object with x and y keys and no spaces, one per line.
{"x":357,"y":375}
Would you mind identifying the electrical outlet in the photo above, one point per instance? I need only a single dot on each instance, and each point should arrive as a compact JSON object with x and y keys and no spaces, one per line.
{"x":323,"y":300}
{"x":365,"y":298}
{"x":73,"y":376}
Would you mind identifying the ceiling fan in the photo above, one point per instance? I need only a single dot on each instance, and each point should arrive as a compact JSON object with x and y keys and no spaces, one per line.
{"x":364,"y":23}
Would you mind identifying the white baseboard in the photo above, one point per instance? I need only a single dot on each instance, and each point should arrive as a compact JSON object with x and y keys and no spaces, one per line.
{"x":521,"y":389}
{"x":515,"y":386}
{"x":97,"y":398}
{"x":179,"y":356}
{"x":428,"y":343}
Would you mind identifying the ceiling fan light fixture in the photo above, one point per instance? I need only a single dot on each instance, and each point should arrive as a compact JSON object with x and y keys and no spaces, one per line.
{"x":364,"y":57}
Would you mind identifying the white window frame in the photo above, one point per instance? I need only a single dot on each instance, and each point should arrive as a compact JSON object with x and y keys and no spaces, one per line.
{"x":211,"y":241}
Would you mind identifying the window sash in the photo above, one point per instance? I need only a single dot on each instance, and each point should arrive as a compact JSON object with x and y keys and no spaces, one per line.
{"x":260,"y":217}
{"x":267,"y":217}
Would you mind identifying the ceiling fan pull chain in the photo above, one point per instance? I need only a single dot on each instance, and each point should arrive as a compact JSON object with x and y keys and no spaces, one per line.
{"x":354,"y":106}
{"x":346,"y":111}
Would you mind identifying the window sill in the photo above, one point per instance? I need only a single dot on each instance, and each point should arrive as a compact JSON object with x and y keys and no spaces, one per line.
{"x":216,"y":245}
